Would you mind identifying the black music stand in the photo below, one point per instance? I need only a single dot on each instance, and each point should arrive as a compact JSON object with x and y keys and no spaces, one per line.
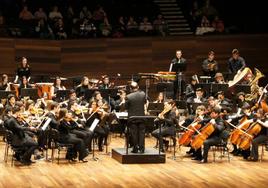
{"x":29,"y":92}
{"x":4,"y":94}
{"x":242,"y":88}
{"x":89,"y":93}
{"x":165,"y":87}
{"x":219,"y":87}
{"x":228,"y":76}
{"x":62,"y":95}
{"x":155,"y":108}
{"x":179,"y":68}
{"x":207,"y":87}
{"x":181,"y":104}
{"x":108,"y":94}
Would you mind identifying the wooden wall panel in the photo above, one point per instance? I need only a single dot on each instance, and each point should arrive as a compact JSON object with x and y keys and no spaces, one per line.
{"x":43,"y":55}
{"x":83,"y":57}
{"x":128,"y":56}
{"x":7,"y":54}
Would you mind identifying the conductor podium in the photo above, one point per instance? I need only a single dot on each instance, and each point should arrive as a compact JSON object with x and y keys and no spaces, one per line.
{"x":150,"y":155}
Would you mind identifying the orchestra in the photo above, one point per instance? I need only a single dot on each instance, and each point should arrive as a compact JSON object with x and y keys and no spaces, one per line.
{"x":208,"y":117}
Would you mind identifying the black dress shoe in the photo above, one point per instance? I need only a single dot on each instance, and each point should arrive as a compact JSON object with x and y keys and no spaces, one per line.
{"x":203,"y":161}
{"x":196,"y":158}
{"x":141,"y":150}
{"x":83,"y":161}
{"x":189,"y":152}
{"x":252,"y":159}
{"x":72,"y":160}
{"x":135,"y":151}
{"x":26,"y":162}
{"x":234,"y":151}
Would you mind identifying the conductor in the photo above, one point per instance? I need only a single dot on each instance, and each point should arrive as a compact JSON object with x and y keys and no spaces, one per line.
{"x":135,"y":102}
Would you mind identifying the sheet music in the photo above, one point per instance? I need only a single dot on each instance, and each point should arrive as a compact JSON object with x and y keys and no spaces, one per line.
{"x":44,"y":127}
{"x":121,"y":114}
{"x":94,"y":124}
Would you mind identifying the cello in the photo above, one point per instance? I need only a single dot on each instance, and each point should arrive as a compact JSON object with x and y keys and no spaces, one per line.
{"x":203,"y":134}
{"x":236,"y":134}
{"x":246,"y":139}
{"x":186,"y":138}
{"x":254,"y":129}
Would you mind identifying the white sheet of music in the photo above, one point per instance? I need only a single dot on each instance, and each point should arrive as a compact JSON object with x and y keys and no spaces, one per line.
{"x":121,"y":114}
{"x":44,"y":127}
{"x":94,"y":124}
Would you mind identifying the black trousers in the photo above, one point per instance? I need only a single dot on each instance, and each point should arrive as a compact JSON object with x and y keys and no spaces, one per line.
{"x":137,"y":133}
{"x":207,"y":144}
{"x":102,"y":134}
{"x":79,"y":145}
{"x":165,"y":131}
{"x":30,"y":145}
{"x":255,"y":143}
{"x":83,"y":134}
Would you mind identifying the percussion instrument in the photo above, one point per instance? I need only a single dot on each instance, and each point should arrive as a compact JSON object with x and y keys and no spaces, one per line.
{"x":44,"y":88}
{"x":167,"y":76}
{"x":148,"y":75}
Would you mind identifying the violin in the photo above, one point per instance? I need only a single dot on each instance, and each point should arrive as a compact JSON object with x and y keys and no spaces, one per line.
{"x":36,"y":111}
{"x":205,"y":132}
{"x":81,"y":110}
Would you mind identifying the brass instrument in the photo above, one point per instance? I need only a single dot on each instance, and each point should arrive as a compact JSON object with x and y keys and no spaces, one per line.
{"x":167,"y":108}
{"x":254,"y":87}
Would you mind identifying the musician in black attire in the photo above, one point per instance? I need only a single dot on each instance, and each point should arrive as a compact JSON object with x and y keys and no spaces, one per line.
{"x":105,"y":83}
{"x":190,"y":88}
{"x":11,"y":101}
{"x":216,"y":137}
{"x":180,"y":62}
{"x":102,"y":129}
{"x":4,"y":85}
{"x":222,"y":100}
{"x":67,"y":137}
{"x":135,"y":102}
{"x":120,"y":103}
{"x":262,"y":137}
{"x":210,"y":65}
{"x":78,"y":124}
{"x":167,"y":122}
{"x":52,"y":114}
{"x":23,"y":70}
{"x":236,"y":63}
{"x":81,"y":88}
{"x":24,"y":84}
{"x":21,"y":137}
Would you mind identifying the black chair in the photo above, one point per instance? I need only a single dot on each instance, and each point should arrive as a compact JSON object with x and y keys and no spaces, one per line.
{"x":15,"y":149}
{"x":56,"y":144}
{"x":222,"y":148}
{"x":263,"y":148}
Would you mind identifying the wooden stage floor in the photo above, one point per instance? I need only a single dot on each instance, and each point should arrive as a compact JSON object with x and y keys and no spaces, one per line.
{"x":107,"y":172}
